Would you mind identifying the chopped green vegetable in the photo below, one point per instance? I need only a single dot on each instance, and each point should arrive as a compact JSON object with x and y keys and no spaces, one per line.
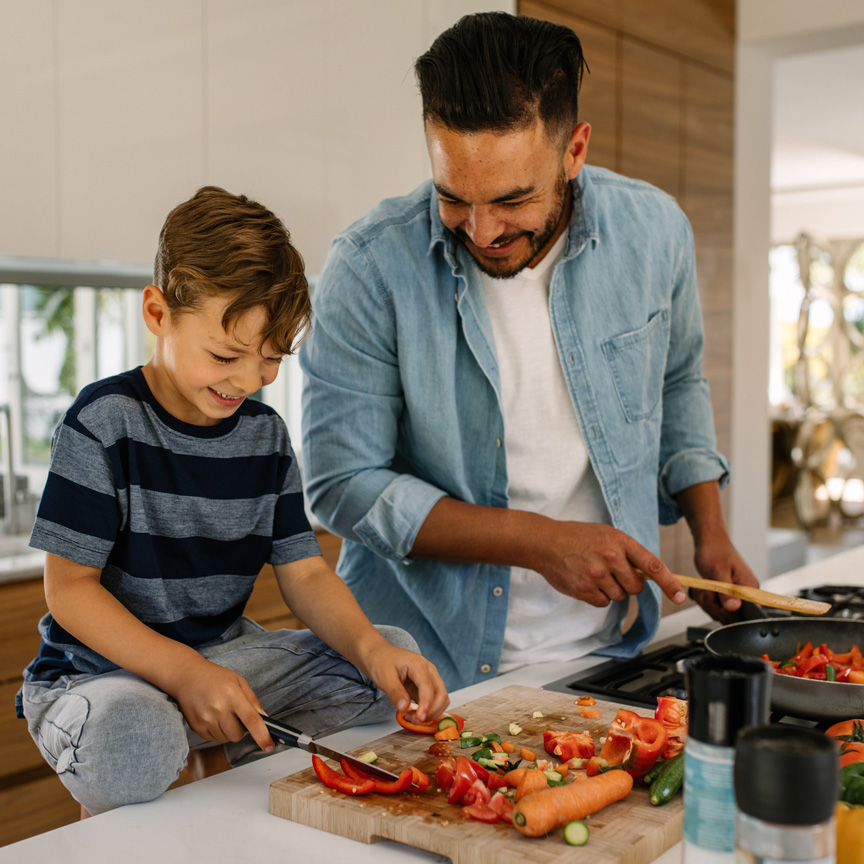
{"x":444,"y":722}
{"x":465,"y":743}
{"x":576,"y":833}
{"x":369,"y":756}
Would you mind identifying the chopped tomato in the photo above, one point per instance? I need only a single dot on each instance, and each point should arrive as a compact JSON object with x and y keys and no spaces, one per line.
{"x":439,"y":748}
{"x":478,"y":793}
{"x":466,"y":773}
{"x":479,"y":772}
{"x":461,"y":784}
{"x":480,"y":812}
{"x":496,"y":781}
{"x":568,"y":745}
{"x":849,"y":737}
{"x":445,"y":772}
{"x":503,"y":806}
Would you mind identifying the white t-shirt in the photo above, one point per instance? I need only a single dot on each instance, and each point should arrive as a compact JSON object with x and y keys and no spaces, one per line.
{"x":547,"y":466}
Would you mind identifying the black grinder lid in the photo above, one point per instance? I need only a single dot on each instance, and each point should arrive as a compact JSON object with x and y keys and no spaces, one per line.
{"x":787,"y":775}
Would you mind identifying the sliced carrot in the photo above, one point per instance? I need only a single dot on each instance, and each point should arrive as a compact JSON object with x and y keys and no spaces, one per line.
{"x":542,"y":764}
{"x":525,"y":753}
{"x":589,"y":713}
{"x":508,"y":747}
{"x":533,"y":780}
{"x":562,"y":769}
{"x":513,"y":777}
{"x":547,"y":809}
{"x":496,"y":747}
{"x":586,"y":700}
{"x":448,"y":733}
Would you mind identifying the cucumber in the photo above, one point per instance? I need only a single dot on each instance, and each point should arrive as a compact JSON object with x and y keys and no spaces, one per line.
{"x":465,"y":743}
{"x":668,"y":782}
{"x":554,"y":778}
{"x":444,"y":722}
{"x":369,"y":756}
{"x":494,"y":736}
{"x":651,"y":775}
{"x":576,"y":833}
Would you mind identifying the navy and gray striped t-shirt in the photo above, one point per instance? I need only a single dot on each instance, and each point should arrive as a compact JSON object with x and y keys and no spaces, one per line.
{"x":179,"y":518}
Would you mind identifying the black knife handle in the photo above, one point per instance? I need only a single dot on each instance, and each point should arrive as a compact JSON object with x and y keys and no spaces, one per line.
{"x":284,"y":732}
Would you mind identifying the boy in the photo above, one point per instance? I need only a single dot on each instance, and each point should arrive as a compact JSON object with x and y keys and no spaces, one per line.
{"x":168,"y":491}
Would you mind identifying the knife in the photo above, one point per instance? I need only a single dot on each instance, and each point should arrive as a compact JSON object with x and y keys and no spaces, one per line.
{"x":295,"y":738}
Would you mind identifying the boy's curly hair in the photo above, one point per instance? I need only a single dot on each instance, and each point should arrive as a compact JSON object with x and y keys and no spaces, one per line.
{"x":218,"y":243}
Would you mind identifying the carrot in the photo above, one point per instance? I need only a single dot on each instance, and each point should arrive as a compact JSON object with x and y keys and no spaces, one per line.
{"x":513,"y":777}
{"x":562,"y":769}
{"x":533,"y":780}
{"x":589,"y":713}
{"x":496,"y":747}
{"x":508,"y":747}
{"x":448,"y":733}
{"x":528,"y":755}
{"x":548,"y":809}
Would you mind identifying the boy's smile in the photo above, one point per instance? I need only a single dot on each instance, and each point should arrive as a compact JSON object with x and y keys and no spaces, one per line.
{"x":200,"y":373}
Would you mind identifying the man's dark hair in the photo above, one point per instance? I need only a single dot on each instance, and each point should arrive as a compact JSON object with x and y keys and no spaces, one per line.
{"x":498,"y":72}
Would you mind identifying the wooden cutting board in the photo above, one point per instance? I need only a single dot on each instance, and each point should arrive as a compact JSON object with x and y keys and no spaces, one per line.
{"x":631,"y":831}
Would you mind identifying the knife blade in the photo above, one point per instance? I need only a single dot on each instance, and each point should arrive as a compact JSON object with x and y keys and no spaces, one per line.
{"x":295,"y":738}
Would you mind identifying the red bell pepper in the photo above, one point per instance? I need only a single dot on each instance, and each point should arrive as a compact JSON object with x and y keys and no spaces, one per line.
{"x":334,"y":780}
{"x":634,"y":743}
{"x":674,"y":714}
{"x":386,"y":787}
{"x":419,"y":782}
{"x":428,"y":727}
{"x":568,"y":745}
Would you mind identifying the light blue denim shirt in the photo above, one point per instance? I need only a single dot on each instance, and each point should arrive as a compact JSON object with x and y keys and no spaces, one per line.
{"x":401,"y":402}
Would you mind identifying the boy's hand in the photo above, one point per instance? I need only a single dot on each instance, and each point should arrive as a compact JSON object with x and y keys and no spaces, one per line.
{"x":405,"y":676}
{"x":219,"y":705}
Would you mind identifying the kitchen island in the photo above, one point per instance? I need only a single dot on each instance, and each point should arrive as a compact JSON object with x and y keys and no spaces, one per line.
{"x":226,"y":818}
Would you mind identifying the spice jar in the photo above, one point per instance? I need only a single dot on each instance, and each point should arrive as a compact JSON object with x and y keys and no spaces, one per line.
{"x":725,"y":694}
{"x":786,"y":780}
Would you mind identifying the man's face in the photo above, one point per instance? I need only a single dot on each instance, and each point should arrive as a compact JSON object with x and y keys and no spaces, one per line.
{"x":506,"y":196}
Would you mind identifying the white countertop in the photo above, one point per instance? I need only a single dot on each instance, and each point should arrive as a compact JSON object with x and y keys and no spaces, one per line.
{"x":225,"y":818}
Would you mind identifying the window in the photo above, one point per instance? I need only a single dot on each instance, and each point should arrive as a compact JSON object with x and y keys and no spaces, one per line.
{"x":66,"y":324}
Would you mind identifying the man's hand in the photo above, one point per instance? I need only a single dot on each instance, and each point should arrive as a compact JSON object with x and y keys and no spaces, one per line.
{"x":598,"y":564}
{"x":219,"y":704}
{"x":718,"y":559}
{"x":405,"y":676}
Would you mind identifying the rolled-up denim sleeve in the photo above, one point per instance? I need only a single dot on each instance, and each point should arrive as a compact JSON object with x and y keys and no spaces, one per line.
{"x":352,"y":402}
{"x":688,"y":453}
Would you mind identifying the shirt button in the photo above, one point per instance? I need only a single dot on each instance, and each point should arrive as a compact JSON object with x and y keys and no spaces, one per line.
{"x":485,"y":668}
{"x":497,"y":590}
{"x":497,"y":442}
{"x":456,"y":296}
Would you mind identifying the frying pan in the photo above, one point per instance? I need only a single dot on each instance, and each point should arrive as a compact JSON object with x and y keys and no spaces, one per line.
{"x":780,"y":639}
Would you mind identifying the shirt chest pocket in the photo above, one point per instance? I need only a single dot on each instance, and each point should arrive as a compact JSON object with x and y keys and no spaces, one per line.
{"x":637,"y":362}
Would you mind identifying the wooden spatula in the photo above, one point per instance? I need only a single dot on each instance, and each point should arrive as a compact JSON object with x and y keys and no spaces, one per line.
{"x":754,"y":595}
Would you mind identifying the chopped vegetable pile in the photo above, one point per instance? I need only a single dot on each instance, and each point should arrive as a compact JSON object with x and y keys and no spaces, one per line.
{"x":822,"y":664}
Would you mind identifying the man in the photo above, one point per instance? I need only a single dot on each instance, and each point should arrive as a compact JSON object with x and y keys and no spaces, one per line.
{"x":503,"y":385}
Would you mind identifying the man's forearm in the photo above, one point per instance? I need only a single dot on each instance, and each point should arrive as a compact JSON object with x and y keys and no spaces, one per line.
{"x":703,"y":511}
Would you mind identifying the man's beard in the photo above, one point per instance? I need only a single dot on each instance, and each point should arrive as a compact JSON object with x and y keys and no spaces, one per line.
{"x":505,"y":269}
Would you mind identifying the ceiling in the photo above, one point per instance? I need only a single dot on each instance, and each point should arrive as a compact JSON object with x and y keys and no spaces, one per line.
{"x":817,"y":172}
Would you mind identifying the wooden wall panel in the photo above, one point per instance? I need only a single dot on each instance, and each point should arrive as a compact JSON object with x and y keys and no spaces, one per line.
{"x":651,"y":116}
{"x":598,"y":99}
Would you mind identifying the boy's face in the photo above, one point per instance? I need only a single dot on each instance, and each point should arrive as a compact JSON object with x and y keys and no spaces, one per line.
{"x":200,"y":373}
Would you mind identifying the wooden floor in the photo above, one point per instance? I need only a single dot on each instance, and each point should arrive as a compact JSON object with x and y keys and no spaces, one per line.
{"x":34,"y":800}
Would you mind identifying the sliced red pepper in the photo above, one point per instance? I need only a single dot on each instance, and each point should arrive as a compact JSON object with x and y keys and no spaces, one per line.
{"x":385,"y":787}
{"x":674,"y":714}
{"x":568,"y":745}
{"x":633,"y":742}
{"x":334,"y":780}
{"x":419,"y":782}
{"x":429,"y":727}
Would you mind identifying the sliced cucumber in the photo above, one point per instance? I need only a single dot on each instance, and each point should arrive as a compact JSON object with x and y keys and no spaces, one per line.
{"x":491,"y":764}
{"x":369,"y":756}
{"x":446,"y":722}
{"x":493,"y":737}
{"x":576,"y":833}
{"x":465,"y":743}
{"x":554,"y":777}
{"x":467,"y":734}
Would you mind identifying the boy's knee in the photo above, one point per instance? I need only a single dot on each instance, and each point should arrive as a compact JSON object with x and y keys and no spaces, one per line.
{"x":129,"y":751}
{"x":398,"y":637}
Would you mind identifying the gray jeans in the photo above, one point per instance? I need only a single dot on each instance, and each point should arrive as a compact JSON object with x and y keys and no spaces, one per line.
{"x":114,"y":739}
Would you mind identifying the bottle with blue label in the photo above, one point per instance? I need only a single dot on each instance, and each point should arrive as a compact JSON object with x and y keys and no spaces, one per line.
{"x":725,"y":695}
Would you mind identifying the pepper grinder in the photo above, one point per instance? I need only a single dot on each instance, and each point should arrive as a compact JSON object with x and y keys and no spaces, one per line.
{"x":786,"y":780}
{"x":726,"y":694}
